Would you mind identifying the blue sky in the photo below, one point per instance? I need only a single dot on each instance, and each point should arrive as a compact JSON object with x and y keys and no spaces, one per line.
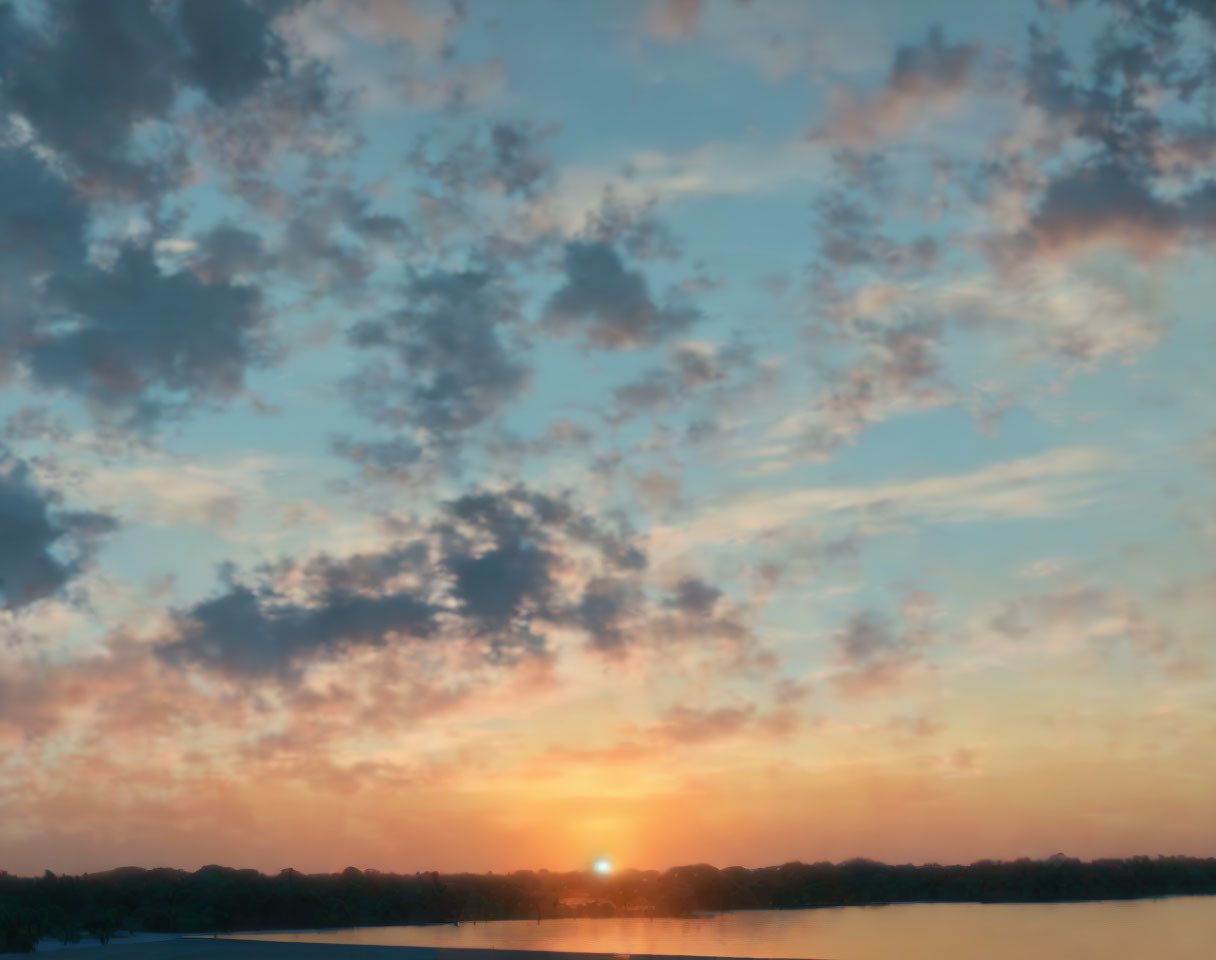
{"x":550,"y":412}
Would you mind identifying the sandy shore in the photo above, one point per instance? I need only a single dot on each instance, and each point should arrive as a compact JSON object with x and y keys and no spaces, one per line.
{"x":207,"y":948}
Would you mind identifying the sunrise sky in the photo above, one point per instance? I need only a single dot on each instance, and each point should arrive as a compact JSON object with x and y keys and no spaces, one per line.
{"x":493,"y":435}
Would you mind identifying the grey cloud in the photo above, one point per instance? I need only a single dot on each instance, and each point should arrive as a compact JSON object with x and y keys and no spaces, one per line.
{"x":561,"y":435}
{"x":226,"y":252}
{"x":1047,"y":83}
{"x":505,"y":157}
{"x":1108,"y":203}
{"x":934,"y":65}
{"x":315,"y":246}
{"x":42,"y":548}
{"x":87,"y":75}
{"x":631,"y":225}
{"x":231,"y":48}
{"x":42,"y":231}
{"x":258,"y":632}
{"x":898,"y":367}
{"x":490,"y":573}
{"x":921,"y":75}
{"x":368,"y":571}
{"x":1133,"y":103}
{"x":864,"y":638}
{"x":451,"y":370}
{"x":695,"y":597}
{"x":502,"y":551}
{"x":397,"y":459}
{"x":1092,"y":200}
{"x":874,"y":657}
{"x":143,"y":341}
{"x":485,"y":573}
{"x":311,"y":249}
{"x":849,"y":236}
{"x":42,"y":220}
{"x":32,"y":423}
{"x":136,"y":341}
{"x":607,"y":608}
{"x":293,"y":112}
{"x":688,"y":370}
{"x":611,"y":304}
{"x":519,"y":166}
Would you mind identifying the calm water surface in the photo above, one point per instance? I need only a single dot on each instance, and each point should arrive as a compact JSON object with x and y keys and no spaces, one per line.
{"x":1174,"y":928}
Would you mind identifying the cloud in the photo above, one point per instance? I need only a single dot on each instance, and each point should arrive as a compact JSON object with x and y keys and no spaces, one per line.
{"x":87,"y":77}
{"x":42,"y":547}
{"x":326,"y":27}
{"x":1071,"y":315}
{"x":43,"y":225}
{"x":849,"y":237}
{"x":32,"y":423}
{"x":42,"y":218}
{"x":1106,"y":205}
{"x":394,"y":460}
{"x":874,"y":658}
{"x":1085,"y":612}
{"x":896,"y":372}
{"x":489,"y":575}
{"x":1037,"y":310}
{"x":504,"y":158}
{"x":312,"y":248}
{"x":640,"y":182}
{"x":122,"y":355}
{"x":686,"y":725}
{"x":450,"y":369}
{"x":695,"y":597}
{"x":226,"y":252}
{"x":1135,"y":148}
{"x":1040,"y":485}
{"x":504,"y":552}
{"x":297,"y":114}
{"x":671,"y":20}
{"x":608,"y":610}
{"x":610,"y":303}
{"x":249,"y":632}
{"x":178,"y":492}
{"x":231,"y":49}
{"x":690,"y":369}
{"x":681,"y":727}
{"x":924,"y":80}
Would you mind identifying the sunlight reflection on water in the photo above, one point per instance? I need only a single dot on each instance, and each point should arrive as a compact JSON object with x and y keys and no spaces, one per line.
{"x":1175,"y":928}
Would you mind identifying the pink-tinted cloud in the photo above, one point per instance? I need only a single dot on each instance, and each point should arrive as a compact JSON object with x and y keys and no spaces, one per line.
{"x":924,"y":81}
{"x":671,"y":20}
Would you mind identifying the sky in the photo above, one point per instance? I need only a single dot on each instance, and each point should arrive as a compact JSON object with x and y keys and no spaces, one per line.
{"x":495,"y":435}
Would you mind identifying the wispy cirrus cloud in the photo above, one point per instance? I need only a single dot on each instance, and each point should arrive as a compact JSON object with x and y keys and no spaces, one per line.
{"x":1042,"y":485}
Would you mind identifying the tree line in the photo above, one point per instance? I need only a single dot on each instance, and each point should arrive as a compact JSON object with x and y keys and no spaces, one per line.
{"x":222,"y":899}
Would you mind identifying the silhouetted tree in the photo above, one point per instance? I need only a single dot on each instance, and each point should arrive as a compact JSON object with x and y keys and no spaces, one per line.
{"x":218,"y":898}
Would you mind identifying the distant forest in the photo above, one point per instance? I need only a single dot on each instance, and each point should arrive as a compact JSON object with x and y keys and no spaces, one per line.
{"x":221,"y":899}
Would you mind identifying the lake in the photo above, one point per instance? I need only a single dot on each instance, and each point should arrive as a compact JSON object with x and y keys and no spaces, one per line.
{"x":1170,"y":928}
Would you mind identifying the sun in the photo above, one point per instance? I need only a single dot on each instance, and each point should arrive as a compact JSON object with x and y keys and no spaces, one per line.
{"x":602,"y":866}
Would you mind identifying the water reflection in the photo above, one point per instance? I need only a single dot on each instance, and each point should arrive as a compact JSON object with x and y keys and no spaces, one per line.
{"x":1175,"y":928}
